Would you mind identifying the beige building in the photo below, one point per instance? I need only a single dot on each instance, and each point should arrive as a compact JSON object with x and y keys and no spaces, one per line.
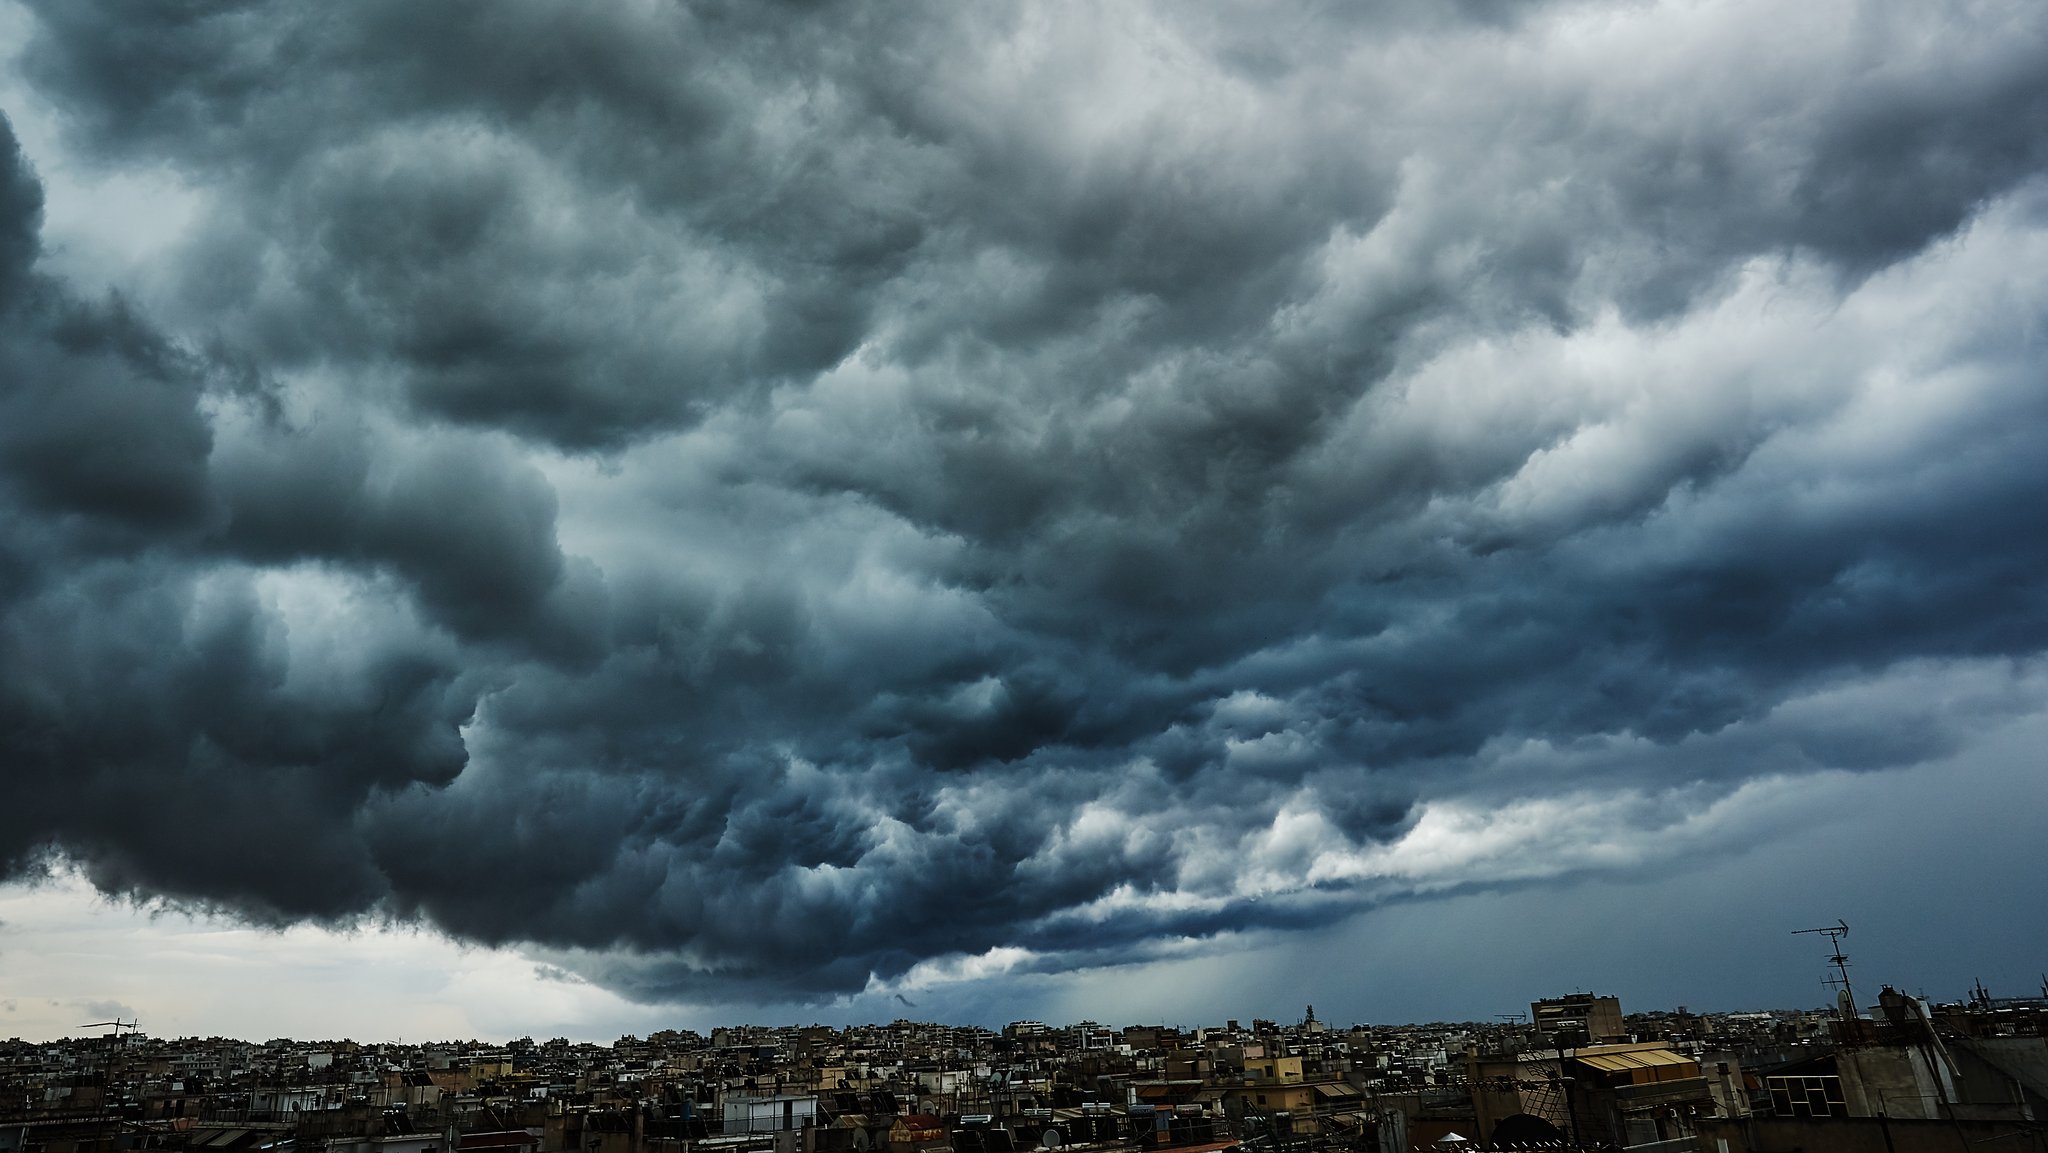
{"x":1578,"y":1019}
{"x":1624,"y":1095}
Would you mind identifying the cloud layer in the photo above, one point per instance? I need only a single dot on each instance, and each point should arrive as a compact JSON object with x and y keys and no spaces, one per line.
{"x":771,"y":501}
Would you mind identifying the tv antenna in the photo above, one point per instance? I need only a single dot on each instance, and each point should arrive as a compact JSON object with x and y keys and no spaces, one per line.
{"x":107,"y":1073}
{"x":1840,"y":960}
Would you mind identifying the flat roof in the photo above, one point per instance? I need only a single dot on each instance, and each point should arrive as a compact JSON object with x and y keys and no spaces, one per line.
{"x":1633,"y":1059}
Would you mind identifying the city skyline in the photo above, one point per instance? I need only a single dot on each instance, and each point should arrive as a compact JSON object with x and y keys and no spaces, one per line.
{"x":1573,"y":1072}
{"x":1628,"y":1019}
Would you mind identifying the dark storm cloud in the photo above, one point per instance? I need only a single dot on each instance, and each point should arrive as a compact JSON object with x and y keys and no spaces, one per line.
{"x":756,"y":501}
{"x":21,"y":212}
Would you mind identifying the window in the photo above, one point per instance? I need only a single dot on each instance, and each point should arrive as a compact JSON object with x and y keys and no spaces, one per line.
{"x":1806,"y":1096}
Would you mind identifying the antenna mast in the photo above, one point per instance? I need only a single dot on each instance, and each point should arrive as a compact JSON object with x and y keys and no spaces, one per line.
{"x":1840,"y":960}
{"x":107,"y":1076}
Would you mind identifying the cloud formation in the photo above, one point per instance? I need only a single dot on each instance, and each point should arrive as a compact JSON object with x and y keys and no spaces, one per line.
{"x":772,"y":501}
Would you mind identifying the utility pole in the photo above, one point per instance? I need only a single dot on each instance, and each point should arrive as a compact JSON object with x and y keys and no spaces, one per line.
{"x":1563,"y":1040}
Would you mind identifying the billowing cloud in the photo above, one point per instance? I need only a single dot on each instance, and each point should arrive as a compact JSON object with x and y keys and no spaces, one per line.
{"x":775,"y":501}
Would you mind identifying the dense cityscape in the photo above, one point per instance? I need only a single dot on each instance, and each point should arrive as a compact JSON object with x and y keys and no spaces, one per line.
{"x":1574,"y":1072}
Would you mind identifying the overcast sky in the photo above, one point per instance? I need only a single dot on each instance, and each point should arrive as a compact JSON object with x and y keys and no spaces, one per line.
{"x":567,"y":519}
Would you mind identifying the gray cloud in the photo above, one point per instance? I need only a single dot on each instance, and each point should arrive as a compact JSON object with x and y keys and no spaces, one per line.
{"x":105,"y":1008}
{"x":764,"y":502}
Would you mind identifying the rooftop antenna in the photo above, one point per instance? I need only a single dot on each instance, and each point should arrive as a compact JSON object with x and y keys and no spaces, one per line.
{"x":107,"y":1073}
{"x":1840,"y":960}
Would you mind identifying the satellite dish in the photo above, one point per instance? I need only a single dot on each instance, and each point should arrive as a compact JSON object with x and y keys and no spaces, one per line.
{"x":861,"y":1140}
{"x":1051,"y":1139}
